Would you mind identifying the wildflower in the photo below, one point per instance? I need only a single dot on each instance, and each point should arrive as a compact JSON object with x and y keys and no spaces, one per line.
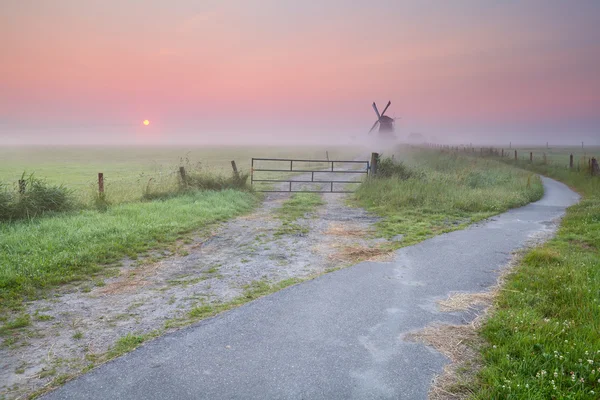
{"x":590,"y":362}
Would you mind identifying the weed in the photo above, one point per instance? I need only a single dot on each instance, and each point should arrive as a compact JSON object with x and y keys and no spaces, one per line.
{"x":125,"y":344}
{"x":21,"y":321}
{"x":77,"y":335}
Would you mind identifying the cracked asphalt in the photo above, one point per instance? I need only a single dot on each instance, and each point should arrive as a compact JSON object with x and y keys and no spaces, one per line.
{"x":339,"y":336}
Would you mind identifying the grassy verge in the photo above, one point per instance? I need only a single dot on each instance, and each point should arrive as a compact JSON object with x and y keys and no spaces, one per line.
{"x":431,"y":193}
{"x":49,"y":251}
{"x":543,"y":337}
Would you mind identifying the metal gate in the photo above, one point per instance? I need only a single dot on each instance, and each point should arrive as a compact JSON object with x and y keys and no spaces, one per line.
{"x":307,"y":175}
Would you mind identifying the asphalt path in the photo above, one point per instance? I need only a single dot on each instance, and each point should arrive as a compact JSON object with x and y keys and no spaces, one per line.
{"x":339,"y":336}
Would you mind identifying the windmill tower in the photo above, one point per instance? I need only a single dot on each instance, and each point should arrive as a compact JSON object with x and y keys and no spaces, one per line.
{"x":386,"y":124}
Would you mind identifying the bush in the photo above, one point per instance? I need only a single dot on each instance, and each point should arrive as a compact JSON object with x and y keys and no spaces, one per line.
{"x":39,"y":198}
{"x":388,"y":168}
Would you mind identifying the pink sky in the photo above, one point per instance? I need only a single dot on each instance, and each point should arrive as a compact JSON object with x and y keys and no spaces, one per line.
{"x":84,"y":68}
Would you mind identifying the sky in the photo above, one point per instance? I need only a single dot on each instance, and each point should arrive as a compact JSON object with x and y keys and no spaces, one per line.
{"x":246,"y":71}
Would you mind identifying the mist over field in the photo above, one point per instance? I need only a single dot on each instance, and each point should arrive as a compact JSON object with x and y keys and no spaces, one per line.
{"x":249,"y":136}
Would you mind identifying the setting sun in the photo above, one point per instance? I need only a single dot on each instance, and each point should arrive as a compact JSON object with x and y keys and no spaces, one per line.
{"x":146,"y":122}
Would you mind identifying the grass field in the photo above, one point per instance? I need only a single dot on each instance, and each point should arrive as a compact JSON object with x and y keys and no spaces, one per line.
{"x":62,"y":247}
{"x":128,"y":171}
{"x":46,"y":252}
{"x":543,"y":337}
{"x":431,"y":193}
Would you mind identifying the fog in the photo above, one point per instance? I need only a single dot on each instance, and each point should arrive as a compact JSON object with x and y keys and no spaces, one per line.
{"x":82,"y":135}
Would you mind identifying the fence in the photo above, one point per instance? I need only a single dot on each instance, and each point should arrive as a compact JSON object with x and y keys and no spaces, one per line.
{"x":587,"y":163}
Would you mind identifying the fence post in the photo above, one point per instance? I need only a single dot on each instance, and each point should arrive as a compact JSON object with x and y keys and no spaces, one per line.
{"x":235,"y":170}
{"x":515,"y":155}
{"x":530,"y":157}
{"x":22,"y":185}
{"x":571,"y":161}
{"x":374,"y":160}
{"x":502,"y":153}
{"x":100,"y":184}
{"x":182,"y":174}
{"x":595,"y":169}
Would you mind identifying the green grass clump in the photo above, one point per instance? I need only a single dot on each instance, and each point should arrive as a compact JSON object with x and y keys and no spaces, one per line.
{"x":388,"y":168}
{"x":46,"y":252}
{"x":430,"y":193}
{"x":543,"y":338}
{"x":20,"y":321}
{"x":38,"y":198}
{"x":125,"y":344}
{"x":298,"y":206}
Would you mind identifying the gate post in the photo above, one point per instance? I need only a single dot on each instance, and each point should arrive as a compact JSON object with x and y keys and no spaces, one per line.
{"x":374,"y":160}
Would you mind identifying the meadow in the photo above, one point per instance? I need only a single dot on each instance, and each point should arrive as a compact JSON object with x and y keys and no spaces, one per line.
{"x":423,"y":193}
{"x":130,"y":170}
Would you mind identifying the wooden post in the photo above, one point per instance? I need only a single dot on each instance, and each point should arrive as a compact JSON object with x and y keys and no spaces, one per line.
{"x":374,"y":160}
{"x":502,"y":153}
{"x":22,"y":185}
{"x":100,"y":183}
{"x":510,"y":145}
{"x":571,"y":161}
{"x":595,"y":169}
{"x":235,"y":170}
{"x":182,"y":174}
{"x":531,"y":156}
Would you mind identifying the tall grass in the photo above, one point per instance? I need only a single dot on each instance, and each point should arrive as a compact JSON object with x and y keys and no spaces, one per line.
{"x":428,"y":193}
{"x":37,"y":198}
{"x":195,"y":178}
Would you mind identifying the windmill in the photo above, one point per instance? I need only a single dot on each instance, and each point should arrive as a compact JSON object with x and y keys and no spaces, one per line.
{"x":386,"y":124}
